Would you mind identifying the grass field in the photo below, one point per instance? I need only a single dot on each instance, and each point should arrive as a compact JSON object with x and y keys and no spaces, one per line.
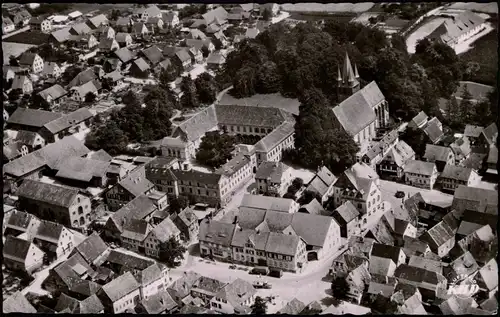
{"x":327,"y":7}
{"x":491,"y":7}
{"x":28,"y":37}
{"x":421,"y":33}
{"x":484,"y":52}
{"x":14,"y":49}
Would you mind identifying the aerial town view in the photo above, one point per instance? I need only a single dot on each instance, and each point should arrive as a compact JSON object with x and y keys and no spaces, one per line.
{"x":250,"y":158}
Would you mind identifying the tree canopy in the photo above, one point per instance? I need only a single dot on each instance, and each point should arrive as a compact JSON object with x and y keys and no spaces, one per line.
{"x":215,"y":149}
{"x":259,"y":307}
{"x":171,"y":252}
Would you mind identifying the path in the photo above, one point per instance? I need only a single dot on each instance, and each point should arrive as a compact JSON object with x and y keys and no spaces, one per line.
{"x":26,"y":28}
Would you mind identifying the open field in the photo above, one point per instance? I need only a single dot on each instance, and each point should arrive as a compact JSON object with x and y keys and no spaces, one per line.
{"x":14,"y":49}
{"x":421,"y":33}
{"x":28,"y":37}
{"x":491,"y":7}
{"x":327,"y":7}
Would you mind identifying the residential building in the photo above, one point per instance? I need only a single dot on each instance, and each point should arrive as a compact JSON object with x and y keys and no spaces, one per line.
{"x":120,"y":294}
{"x":54,"y":239}
{"x":124,"y":39}
{"x":153,"y":55}
{"x":139,"y":29}
{"x":346,"y":215}
{"x":108,"y":45}
{"x":454,"y":176}
{"x":155,"y":24}
{"x":146,"y":12}
{"x":271,"y":147}
{"x":79,"y":93}
{"x":273,"y":178}
{"x":392,"y":164}
{"x":236,"y":172}
{"x":84,"y":172}
{"x":97,"y":21}
{"x":181,"y":288}
{"x":40,"y":24}
{"x":132,"y":186}
{"x":30,"y":119}
{"x":21,"y":223}
{"x":476,"y":199}
{"x":85,"y":41}
{"x":382,"y":285}
{"x":434,"y":130}
{"x":17,"y":303}
{"x":234,"y":298}
{"x":314,"y":208}
{"x":200,"y":44}
{"x":440,"y":155}
{"x":266,"y":203}
{"x":152,"y":280}
{"x":22,"y":255}
{"x":170,"y":19}
{"x":7,"y":25}
{"x":31,"y":61}
{"x":419,"y":121}
{"x":80,"y":29}
{"x":429,"y":283}
{"x":196,"y":55}
{"x":124,"y":55}
{"x":420,"y":174}
{"x":22,"y":18}
{"x":217,"y":15}
{"x":68,"y":124}
{"x":139,"y":68}
{"x":160,"y":233}
{"x":92,"y":249}
{"x":378,"y":150}
{"x":54,"y":95}
{"x":105,"y":32}
{"x":160,"y":303}
{"x":458,"y":29}
{"x":360,"y":185}
{"x":441,"y":238}
{"x":187,"y":222}
{"x":22,"y":83}
{"x":322,"y":183}
{"x":51,"y":70}
{"x":462,"y":149}
{"x":384,"y":259}
{"x":53,"y":202}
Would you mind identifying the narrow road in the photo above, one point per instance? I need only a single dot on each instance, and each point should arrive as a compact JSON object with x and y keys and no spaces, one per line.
{"x":26,"y":28}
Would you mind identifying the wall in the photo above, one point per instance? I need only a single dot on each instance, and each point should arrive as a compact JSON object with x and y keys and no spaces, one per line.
{"x":382,"y":266}
{"x":81,"y":208}
{"x":126,"y":302}
{"x":156,"y":286}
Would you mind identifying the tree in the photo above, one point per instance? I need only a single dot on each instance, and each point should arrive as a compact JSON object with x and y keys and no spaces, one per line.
{"x":90,"y":97}
{"x":215,"y":149}
{"x":177,"y":204}
{"x":466,"y":106}
{"x":70,"y":73}
{"x":15,"y":94}
{"x":13,"y":61}
{"x":452,"y":112}
{"x":308,"y":196}
{"x":108,"y":137}
{"x":171,"y":252}
{"x":205,"y":51}
{"x":340,"y":288}
{"x":259,"y":307}
{"x":267,"y":14}
{"x":168,"y":75}
{"x":244,"y":82}
{"x":107,"y":84}
{"x":268,"y":79}
{"x":37,"y":102}
{"x":206,"y":87}
{"x":189,"y":99}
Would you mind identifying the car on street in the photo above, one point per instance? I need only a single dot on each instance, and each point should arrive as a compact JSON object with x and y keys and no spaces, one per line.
{"x":262,"y":284}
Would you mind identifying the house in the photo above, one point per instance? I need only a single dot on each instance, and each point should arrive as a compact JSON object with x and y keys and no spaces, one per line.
{"x":293,"y":307}
{"x":85,"y":76}
{"x":51,"y":69}
{"x":357,"y":280}
{"x":120,"y":262}
{"x":105,"y":32}
{"x":111,"y":65}
{"x":40,"y":24}
{"x":170,"y":19}
{"x":420,"y":174}
{"x":200,"y":44}
{"x":132,"y":186}
{"x":60,"y":36}
{"x":487,"y":278}
{"x":458,"y":29}
{"x":139,"y":68}
{"x":160,"y":233}
{"x":90,"y":305}
{"x":462,"y":149}
{"x":153,"y":55}
{"x":143,"y":13}
{"x":428,"y":283}
{"x":196,"y":55}
{"x":273,"y":178}
{"x":454,"y":176}
{"x":155,"y":23}
{"x":84,"y":41}
{"x":384,"y":259}
{"x":108,"y":45}
{"x":212,"y":28}
{"x":120,"y":294}
{"x":213,"y":233}
{"x":80,"y":29}
{"x":79,"y":93}
{"x":364,"y":111}
{"x":115,"y":78}
{"x":54,"y":239}
{"x":68,"y":124}
{"x":419,"y":121}
{"x":31,"y":61}
{"x":17,"y":303}
{"x":124,"y":39}
{"x":97,"y":21}
{"x":215,"y":61}
{"x":31,"y":165}
{"x":21,"y":223}
{"x":7,"y":25}
{"x":491,"y":161}
{"x":455,"y":305}
{"x":234,"y":298}
{"x":439,"y":155}
{"x":322,"y":183}
{"x":92,"y":249}
{"x":379,"y":149}
{"x":22,"y":83}
{"x":22,"y":18}
{"x":408,"y":300}
{"x":266,"y":203}
{"x":434,"y":130}
{"x":205,"y":288}
{"x":346,"y":216}
{"x":22,"y":255}
{"x":14,"y":150}
{"x":441,"y":238}
{"x":181,"y":288}
{"x":54,"y":202}
{"x":314,"y":208}
{"x":382,"y":285}
{"x":152,"y":280}
{"x":271,"y":146}
{"x":273,"y":8}
{"x":123,"y":24}
{"x":164,"y":65}
{"x":476,"y":136}
{"x":476,"y":199}
{"x":392,"y":164}
{"x":217,"y":15}
{"x":237,"y":171}
{"x":160,"y":303}
{"x":32,"y":140}
{"x":124,"y":55}
{"x":183,"y":58}
{"x":187,"y":222}
{"x":139,"y":29}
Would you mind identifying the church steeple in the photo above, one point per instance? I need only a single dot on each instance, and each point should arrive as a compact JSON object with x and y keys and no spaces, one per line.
{"x":339,"y":75}
{"x":347,"y":80}
{"x":356,"y":75}
{"x":347,"y":71}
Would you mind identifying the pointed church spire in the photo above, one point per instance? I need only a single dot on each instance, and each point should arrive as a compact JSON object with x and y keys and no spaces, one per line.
{"x":347,"y":71}
{"x":356,"y":75}
{"x":339,"y":75}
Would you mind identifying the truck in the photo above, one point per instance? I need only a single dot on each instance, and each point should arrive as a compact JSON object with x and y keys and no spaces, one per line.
{"x":260,"y":270}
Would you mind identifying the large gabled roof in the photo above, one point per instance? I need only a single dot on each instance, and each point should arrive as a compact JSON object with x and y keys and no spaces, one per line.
{"x":48,"y":193}
{"x":32,"y":117}
{"x":121,"y":286}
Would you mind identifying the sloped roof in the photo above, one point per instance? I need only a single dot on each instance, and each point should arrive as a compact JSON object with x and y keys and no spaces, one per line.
{"x":91,"y":305}
{"x":236,"y":292}
{"x":83,"y":77}
{"x":218,"y":13}
{"x":271,"y":170}
{"x":400,"y":153}
{"x":182,"y":286}
{"x":433,"y":131}
{"x":55,"y":92}
{"x":456,"y":172}
{"x":282,"y":243}
{"x":48,"y":193}
{"x":17,"y":303}
{"x":91,"y":248}
{"x":19,"y":80}
{"x":137,"y":208}
{"x":293,"y":307}
{"x":420,"y":118}
{"x":61,"y":35}
{"x":199,"y":124}
{"x":32,"y":117}
{"x":197,"y":176}
{"x":234,"y":165}
{"x":153,"y":54}
{"x":345,"y":213}
{"x":136,"y":182}
{"x":120,"y":286}
{"x":150,"y":274}
{"x":250,"y":115}
{"x":438,"y":235}
{"x":216,"y":232}
{"x":81,"y":28}
{"x":48,"y":229}
{"x":477,"y":90}
{"x":276,"y":136}
{"x":183,"y":55}
{"x":20,"y":219}
{"x":419,"y":167}
{"x":98,"y":20}
{"x":128,"y":260}
{"x":216,"y":58}
{"x":267,"y":203}
{"x":158,"y":303}
{"x":100,"y":155}
{"x":314,"y":208}
{"x":491,"y":133}
{"x":27,"y":58}
{"x":141,"y":64}
{"x":436,"y":152}
{"x":123,"y":54}
{"x":416,"y":274}
{"x":68,"y":120}
{"x":385,"y":251}
{"x":166,"y":229}
{"x":15,"y":247}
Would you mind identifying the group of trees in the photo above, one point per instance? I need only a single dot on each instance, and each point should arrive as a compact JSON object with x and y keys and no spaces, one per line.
{"x":136,"y":122}
{"x":215,"y":149}
{"x":171,"y":252}
{"x":201,"y":91}
{"x":58,"y":54}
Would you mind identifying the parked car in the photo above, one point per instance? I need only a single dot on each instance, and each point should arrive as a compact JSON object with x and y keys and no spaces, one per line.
{"x":262,"y":284}
{"x":275,"y":273}
{"x":261,"y":270}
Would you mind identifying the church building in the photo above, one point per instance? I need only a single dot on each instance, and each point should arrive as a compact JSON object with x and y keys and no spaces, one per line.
{"x":361,"y":111}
